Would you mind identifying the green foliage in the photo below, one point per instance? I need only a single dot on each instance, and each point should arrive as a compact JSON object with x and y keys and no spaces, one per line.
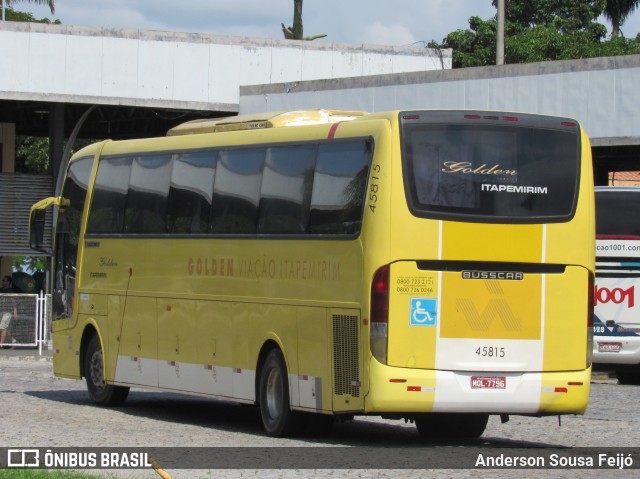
{"x":475,"y":47}
{"x":50,"y":3}
{"x":539,"y":30}
{"x":565,"y":16}
{"x":16,"y":16}
{"x":617,"y":11}
{"x":32,"y":154}
{"x":29,"y":264}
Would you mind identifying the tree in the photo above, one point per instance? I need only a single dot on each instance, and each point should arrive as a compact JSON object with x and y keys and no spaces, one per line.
{"x":50,"y":3}
{"x":539,"y":30}
{"x":617,"y":11}
{"x":32,"y":154}
{"x":565,"y":16}
{"x":29,"y":264}
{"x":297,"y":32}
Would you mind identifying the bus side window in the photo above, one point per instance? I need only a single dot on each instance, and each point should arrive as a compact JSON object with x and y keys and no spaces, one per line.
{"x":106,"y":215}
{"x":285,"y":196}
{"x":339,"y":186}
{"x":190,"y":192}
{"x":236,"y":191}
{"x":146,"y":205}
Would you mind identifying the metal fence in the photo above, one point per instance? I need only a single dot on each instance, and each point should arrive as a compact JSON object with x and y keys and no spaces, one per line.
{"x":31,"y":325}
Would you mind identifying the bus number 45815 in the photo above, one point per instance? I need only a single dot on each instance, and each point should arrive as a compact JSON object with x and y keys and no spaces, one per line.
{"x":490,"y":352}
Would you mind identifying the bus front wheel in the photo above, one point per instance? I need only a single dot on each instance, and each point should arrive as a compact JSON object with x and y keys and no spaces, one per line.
{"x":436,"y":426}
{"x":628,"y":375}
{"x":100,"y":392}
{"x":277,"y":417}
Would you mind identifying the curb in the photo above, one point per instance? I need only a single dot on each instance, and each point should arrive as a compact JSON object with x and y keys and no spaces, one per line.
{"x":26,"y":354}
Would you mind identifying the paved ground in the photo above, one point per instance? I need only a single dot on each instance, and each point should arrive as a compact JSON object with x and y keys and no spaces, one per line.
{"x":39,"y":410}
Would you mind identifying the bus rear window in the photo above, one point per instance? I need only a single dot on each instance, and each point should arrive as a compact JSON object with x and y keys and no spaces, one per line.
{"x":618,"y":212}
{"x":523,"y":171}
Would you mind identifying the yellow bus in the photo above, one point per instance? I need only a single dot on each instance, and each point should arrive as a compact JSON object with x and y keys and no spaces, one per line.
{"x":435,"y":266}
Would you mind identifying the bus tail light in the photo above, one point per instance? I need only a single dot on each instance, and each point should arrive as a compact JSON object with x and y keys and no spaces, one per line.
{"x":590,"y":299}
{"x":379,"y":314}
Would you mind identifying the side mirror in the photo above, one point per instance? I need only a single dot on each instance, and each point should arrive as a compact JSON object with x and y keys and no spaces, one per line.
{"x":36,"y":229}
{"x":37,"y":220}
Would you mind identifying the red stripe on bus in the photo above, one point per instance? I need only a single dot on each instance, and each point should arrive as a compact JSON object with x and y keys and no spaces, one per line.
{"x":332,"y":130}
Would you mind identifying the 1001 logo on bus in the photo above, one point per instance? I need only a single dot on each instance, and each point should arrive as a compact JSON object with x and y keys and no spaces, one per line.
{"x":616,"y":295}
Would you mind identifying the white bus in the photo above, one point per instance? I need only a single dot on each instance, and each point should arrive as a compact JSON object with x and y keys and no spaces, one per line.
{"x":616,"y":324}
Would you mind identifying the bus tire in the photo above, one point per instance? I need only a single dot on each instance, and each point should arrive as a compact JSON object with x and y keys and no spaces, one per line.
{"x":435,"y":426}
{"x":275,"y":407}
{"x":628,"y":375}
{"x":99,"y":392}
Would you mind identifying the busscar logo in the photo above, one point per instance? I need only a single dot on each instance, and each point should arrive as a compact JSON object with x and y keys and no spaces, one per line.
{"x":502,"y":275}
{"x":496,"y":307}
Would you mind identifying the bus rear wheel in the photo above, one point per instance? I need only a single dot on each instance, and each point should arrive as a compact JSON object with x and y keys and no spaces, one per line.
{"x":436,"y":426}
{"x":628,"y":375}
{"x":100,"y":392}
{"x":275,"y":408}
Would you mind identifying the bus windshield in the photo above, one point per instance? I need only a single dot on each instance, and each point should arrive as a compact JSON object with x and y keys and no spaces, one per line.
{"x":614,"y":211}
{"x":487,"y":169}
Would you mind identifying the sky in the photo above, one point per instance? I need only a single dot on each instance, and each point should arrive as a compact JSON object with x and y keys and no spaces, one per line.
{"x":378,"y":22}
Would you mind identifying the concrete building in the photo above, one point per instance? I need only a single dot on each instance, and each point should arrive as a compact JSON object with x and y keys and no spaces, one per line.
{"x":140,"y":83}
{"x":601,"y":93}
{"x":136,"y":83}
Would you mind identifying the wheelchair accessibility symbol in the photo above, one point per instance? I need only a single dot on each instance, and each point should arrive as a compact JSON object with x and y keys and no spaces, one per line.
{"x":423,"y":312}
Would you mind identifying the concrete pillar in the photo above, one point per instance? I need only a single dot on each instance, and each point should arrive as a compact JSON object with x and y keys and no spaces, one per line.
{"x":8,"y":150}
{"x":56,"y":138}
{"x":7,"y":165}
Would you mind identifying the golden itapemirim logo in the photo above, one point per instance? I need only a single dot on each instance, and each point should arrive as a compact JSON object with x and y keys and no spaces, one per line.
{"x":465,"y":167}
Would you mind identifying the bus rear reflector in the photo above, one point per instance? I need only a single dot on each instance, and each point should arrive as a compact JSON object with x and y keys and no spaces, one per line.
{"x":379,"y":314}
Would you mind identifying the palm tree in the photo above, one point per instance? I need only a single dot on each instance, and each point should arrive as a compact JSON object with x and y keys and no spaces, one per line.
{"x":617,"y":11}
{"x":50,"y":3}
{"x":295,"y":32}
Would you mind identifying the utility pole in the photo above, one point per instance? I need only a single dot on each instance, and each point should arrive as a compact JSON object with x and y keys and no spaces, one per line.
{"x":500,"y":34}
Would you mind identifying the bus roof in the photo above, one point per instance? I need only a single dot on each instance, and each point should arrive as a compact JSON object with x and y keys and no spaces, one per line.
{"x":264,"y":120}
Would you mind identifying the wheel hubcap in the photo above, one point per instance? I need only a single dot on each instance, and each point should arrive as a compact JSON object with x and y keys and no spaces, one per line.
{"x":96,"y":370}
{"x":274,"y":393}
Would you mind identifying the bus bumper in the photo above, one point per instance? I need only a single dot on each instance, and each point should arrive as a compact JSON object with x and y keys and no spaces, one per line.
{"x":404,"y":390}
{"x":616,"y":349}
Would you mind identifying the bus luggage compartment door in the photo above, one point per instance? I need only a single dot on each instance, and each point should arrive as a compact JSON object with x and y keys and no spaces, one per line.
{"x":457,"y":316}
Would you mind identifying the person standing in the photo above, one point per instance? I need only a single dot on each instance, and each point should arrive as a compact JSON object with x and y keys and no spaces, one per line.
{"x":9,"y":310}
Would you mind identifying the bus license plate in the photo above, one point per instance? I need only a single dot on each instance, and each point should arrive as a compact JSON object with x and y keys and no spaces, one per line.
{"x":488,"y":382}
{"x":609,"y":347}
